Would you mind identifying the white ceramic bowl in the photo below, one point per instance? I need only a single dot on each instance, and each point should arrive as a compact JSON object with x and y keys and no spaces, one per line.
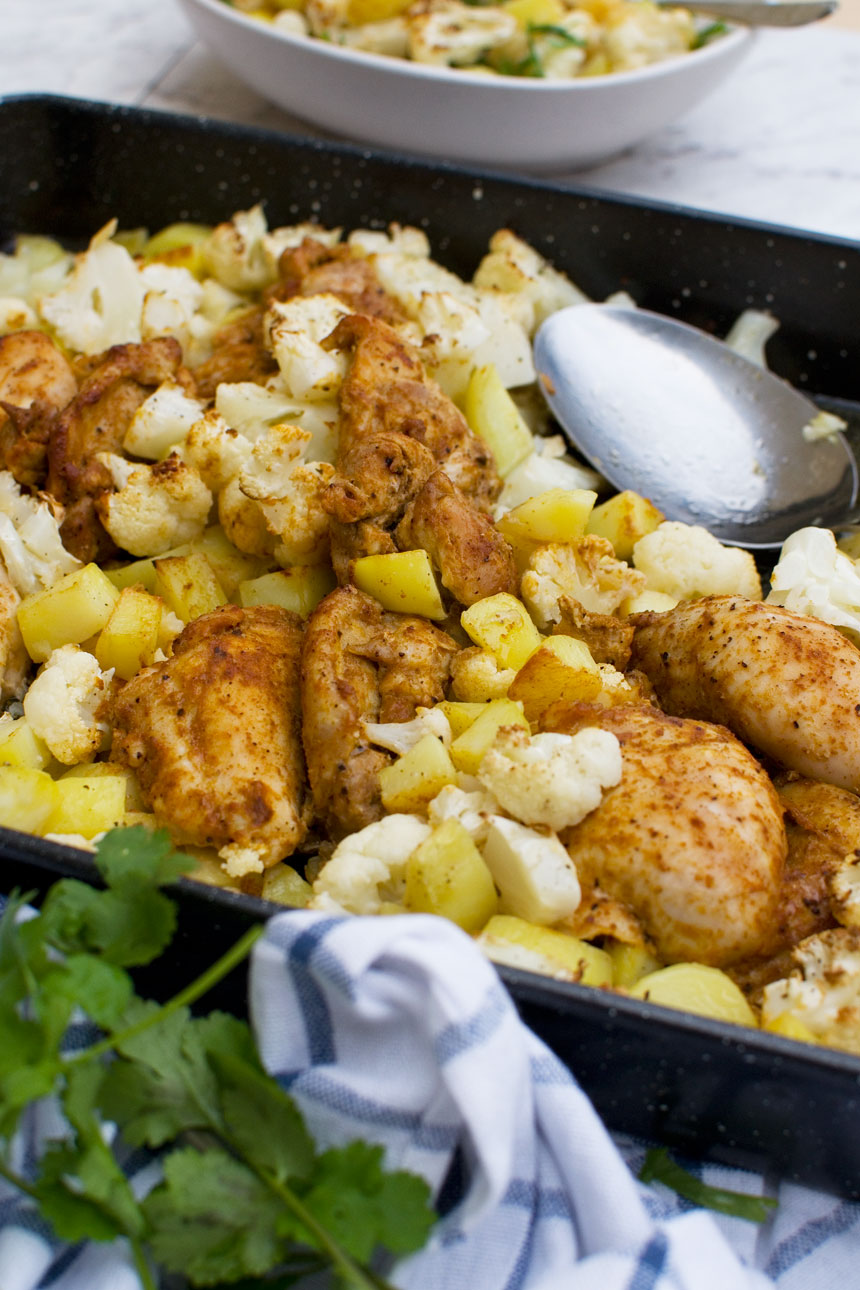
{"x":459,"y":116}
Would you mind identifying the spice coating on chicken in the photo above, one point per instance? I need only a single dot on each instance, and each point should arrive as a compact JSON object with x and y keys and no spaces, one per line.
{"x":95,"y":421}
{"x":312,"y":268}
{"x":787,"y":685}
{"x":361,"y":663}
{"x":36,"y":382}
{"x":214,"y":735}
{"x":691,"y":839}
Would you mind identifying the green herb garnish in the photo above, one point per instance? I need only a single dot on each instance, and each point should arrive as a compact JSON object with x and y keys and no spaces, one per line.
{"x":660,"y":1167}
{"x":709,"y":33}
{"x":244,"y":1194}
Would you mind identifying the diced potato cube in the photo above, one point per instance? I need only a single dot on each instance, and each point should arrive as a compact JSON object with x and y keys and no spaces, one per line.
{"x":283,"y":885}
{"x":562,"y":668}
{"x":187,"y":584}
{"x":536,"y":878}
{"x":446,"y":875}
{"x":20,"y":745}
{"x":623,"y":520}
{"x":558,"y":515}
{"x":402,"y":581}
{"x":502,"y":625}
{"x":541,"y":13}
{"x":129,"y":638}
{"x":180,"y":245}
{"x":630,"y":962}
{"x":468,"y":749}
{"x":139,"y":573}
{"x":75,"y":608}
{"x":410,"y":782}
{"x":87,"y":804}
{"x":362,"y":11}
{"x":28,"y":797}
{"x":97,"y":769}
{"x":231,"y":565}
{"x":460,"y":715}
{"x":515,"y":942}
{"x":299,"y":588}
{"x":494,"y":417}
{"x":695,"y":987}
{"x":655,"y":601}
{"x":790,"y":1027}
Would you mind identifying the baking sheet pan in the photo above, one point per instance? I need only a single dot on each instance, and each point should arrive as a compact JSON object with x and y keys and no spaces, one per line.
{"x":67,"y":166}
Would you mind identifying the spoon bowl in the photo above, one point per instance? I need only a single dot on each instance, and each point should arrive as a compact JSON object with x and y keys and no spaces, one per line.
{"x":710,"y":437}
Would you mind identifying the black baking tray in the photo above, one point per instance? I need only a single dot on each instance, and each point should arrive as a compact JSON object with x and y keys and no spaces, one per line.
{"x":708,"y":1090}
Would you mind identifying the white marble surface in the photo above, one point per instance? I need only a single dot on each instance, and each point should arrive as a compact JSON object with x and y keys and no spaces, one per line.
{"x":780,"y":141}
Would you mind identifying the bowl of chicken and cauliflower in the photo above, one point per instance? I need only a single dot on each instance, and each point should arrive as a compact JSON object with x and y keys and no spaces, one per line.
{"x":295,"y":567}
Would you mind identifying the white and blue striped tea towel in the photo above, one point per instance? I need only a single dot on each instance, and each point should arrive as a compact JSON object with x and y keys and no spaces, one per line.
{"x":398,"y":1031}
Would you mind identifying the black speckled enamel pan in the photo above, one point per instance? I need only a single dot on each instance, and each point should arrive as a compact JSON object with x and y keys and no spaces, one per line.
{"x":66,"y":167}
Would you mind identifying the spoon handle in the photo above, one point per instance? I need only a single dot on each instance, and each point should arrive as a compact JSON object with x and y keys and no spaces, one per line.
{"x":761,"y":13}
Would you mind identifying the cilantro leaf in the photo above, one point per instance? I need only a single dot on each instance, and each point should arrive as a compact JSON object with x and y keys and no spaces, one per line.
{"x":212,"y":1219}
{"x":134,"y":858}
{"x":363,"y":1207}
{"x":262,"y":1121}
{"x":102,"y":989}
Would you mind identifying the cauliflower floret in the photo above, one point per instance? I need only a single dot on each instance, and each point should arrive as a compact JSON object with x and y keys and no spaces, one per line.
{"x":100,"y":303}
{"x":474,"y":807}
{"x":750,"y":333}
{"x":37,"y":266}
{"x":400,"y":736}
{"x":476,"y":676}
{"x":402,"y":238}
{"x":289,"y":493}
{"x":244,"y":521}
{"x":173,"y":296}
{"x":161,"y":422}
{"x":536,"y":878}
{"x":66,"y":704}
{"x":449,"y":34}
{"x":15,"y":315}
{"x":30,"y":541}
{"x":824,"y":990}
{"x":236,"y":253}
{"x":546,"y":467}
{"x":646,"y":34}
{"x":686,"y":561}
{"x":252,"y":409}
{"x":215,"y":450}
{"x":513,"y":267}
{"x":390,"y":36}
{"x":824,"y":425}
{"x":561,"y":62}
{"x":367,"y":871}
{"x":296,"y":329}
{"x":585,"y":570}
{"x":279,"y":240}
{"x":154,"y":507}
{"x":814,"y":577}
{"x":551,"y":779}
{"x":844,"y":887}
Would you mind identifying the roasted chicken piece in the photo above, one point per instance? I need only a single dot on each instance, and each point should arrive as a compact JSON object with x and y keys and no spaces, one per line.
{"x":239,"y":353}
{"x":36,"y":381}
{"x":608,"y":638}
{"x":691,"y":839}
{"x":312,"y":268}
{"x":399,"y":435}
{"x":96,"y":421}
{"x":15,"y":662}
{"x":214,"y":735}
{"x":361,"y":663}
{"x":785,"y":684}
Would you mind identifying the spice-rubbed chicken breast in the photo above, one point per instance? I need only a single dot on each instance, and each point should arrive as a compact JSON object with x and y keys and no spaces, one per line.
{"x":691,"y":839}
{"x":786,"y":685}
{"x":214,"y":736}
{"x":361,"y":663}
{"x":36,"y":382}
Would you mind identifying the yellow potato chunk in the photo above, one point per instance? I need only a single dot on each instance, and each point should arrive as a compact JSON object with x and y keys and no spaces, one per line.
{"x":87,"y":804}
{"x":655,"y":601}
{"x":75,"y":608}
{"x":96,"y":769}
{"x":285,"y":886}
{"x":231,"y":565}
{"x":623,"y":520}
{"x":517,"y":943}
{"x":460,"y":715}
{"x":299,"y":588}
{"x":129,"y":638}
{"x":180,"y":245}
{"x":446,"y":875}
{"x":694,"y":987}
{"x":20,"y":745}
{"x":359,"y":12}
{"x":630,"y":962}
{"x":28,"y":797}
{"x":562,"y":668}
{"x":402,"y":581}
{"x":494,"y":417}
{"x":468,"y":749}
{"x":139,"y":573}
{"x":502,"y":625}
{"x":536,"y":12}
{"x":558,"y":515}
{"x":187,"y":584}
{"x":410,"y":782}
{"x":790,"y":1027}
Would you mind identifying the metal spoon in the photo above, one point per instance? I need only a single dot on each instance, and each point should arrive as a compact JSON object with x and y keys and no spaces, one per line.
{"x":710,"y":437}
{"x":760,"y":13}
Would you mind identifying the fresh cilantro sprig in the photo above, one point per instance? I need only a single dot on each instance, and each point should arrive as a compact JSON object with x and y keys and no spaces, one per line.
{"x":245,"y":1197}
{"x":660,"y":1167}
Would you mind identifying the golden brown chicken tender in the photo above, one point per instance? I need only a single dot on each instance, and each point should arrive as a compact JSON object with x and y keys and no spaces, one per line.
{"x":691,"y":839}
{"x":214,"y":735}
